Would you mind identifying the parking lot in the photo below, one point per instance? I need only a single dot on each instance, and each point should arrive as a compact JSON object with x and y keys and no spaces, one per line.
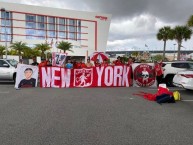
{"x":92,"y":116}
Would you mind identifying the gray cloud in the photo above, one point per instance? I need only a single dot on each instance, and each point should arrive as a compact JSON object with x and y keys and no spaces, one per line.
{"x":131,"y":19}
{"x":167,"y":10}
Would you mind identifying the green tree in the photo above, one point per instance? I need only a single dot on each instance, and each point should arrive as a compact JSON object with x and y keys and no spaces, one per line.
{"x":135,"y":54}
{"x":164,"y":34}
{"x":190,"y":21}
{"x":2,"y":51}
{"x":20,"y":47}
{"x":12,"y":52}
{"x":43,"y":47}
{"x":65,"y":46}
{"x":49,"y":55}
{"x":157,"y":57}
{"x":27,"y":53}
{"x":35,"y":52}
{"x":181,"y":33}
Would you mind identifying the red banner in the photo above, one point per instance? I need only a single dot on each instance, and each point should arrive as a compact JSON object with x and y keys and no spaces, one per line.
{"x":109,"y":76}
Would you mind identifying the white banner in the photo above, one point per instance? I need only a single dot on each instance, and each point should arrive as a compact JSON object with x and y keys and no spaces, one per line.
{"x":27,"y":76}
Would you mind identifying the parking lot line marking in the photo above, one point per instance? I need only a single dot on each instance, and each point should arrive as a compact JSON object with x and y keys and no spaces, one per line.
{"x":169,"y":89}
{"x":4,"y":92}
{"x":187,"y":100}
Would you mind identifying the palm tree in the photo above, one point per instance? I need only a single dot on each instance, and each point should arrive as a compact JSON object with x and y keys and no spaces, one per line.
{"x":12,"y":52}
{"x":181,"y":33}
{"x":27,"y":53}
{"x":19,"y":47}
{"x":43,"y":47}
{"x":35,"y":52}
{"x":164,"y":34}
{"x":190,"y":21}
{"x":65,"y":46}
{"x":2,"y":51}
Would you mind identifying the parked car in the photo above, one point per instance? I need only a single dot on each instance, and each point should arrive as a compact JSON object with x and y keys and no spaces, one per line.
{"x":171,"y":68}
{"x":8,"y":69}
{"x":184,"y":79}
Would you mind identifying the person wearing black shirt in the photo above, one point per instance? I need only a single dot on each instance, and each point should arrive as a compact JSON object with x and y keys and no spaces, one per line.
{"x":35,"y":62}
{"x":28,"y":81}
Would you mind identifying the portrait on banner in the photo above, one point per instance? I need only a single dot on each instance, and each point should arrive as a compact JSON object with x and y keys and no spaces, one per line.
{"x":27,"y":76}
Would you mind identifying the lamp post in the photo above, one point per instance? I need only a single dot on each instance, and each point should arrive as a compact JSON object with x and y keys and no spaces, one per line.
{"x":174,"y":51}
{"x":5,"y":26}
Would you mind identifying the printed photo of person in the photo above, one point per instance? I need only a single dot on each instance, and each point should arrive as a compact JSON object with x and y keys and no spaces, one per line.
{"x":58,"y":59}
{"x":28,"y":81}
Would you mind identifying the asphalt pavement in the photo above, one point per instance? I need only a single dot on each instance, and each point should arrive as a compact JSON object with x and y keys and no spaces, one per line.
{"x":92,"y":116}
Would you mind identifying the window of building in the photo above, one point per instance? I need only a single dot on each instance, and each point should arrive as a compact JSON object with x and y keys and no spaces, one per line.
{"x":62,"y":28}
{"x":79,"y":30}
{"x":72,"y":29}
{"x":51,"y":27}
{"x":41,"y":33}
{"x":30,"y":27}
{"x":5,"y":26}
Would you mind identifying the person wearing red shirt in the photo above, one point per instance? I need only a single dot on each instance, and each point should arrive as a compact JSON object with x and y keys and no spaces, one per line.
{"x":118,"y":61}
{"x":105,"y":63}
{"x":80,"y":64}
{"x":158,"y":72}
{"x":97,"y":63}
{"x":130,"y":61}
{"x":77,"y":64}
{"x":83,"y":65}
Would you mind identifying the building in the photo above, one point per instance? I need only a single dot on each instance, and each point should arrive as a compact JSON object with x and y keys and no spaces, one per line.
{"x":87,"y":31}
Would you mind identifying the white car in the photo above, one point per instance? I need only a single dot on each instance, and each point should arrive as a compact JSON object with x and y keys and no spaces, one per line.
{"x":184,"y":79}
{"x":7,"y":70}
{"x":172,"y":68}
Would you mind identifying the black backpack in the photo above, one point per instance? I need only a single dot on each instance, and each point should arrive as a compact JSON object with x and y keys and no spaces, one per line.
{"x":165,"y":98}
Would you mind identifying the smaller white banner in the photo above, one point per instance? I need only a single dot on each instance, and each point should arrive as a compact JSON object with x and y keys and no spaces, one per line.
{"x":27,"y":76}
{"x":58,"y":58}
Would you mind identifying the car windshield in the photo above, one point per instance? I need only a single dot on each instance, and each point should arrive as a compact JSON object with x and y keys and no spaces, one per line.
{"x":191,"y":65}
{"x":13,"y":62}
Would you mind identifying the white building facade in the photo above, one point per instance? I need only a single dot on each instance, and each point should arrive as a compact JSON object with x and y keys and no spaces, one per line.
{"x":87,"y":31}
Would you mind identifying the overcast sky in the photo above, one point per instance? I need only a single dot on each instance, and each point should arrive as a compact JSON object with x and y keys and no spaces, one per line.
{"x":134,"y":22}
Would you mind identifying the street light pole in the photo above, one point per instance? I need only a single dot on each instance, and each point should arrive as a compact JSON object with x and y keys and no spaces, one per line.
{"x":174,"y":51}
{"x":5,"y":26}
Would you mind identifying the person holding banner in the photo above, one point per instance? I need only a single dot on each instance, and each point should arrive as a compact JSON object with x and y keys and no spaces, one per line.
{"x":158,"y":72}
{"x":69,"y":65}
{"x":35,"y":63}
{"x":129,"y":63}
{"x":97,"y":63}
{"x":118,"y":61}
{"x":28,"y":81}
{"x":105,"y":63}
{"x":89,"y":64}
